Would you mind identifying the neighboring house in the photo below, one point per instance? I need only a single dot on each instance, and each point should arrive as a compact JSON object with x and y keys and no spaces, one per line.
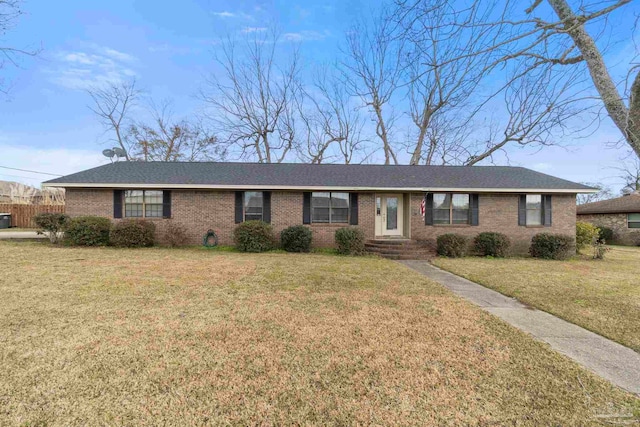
{"x":385,"y":201}
{"x":621,"y":214}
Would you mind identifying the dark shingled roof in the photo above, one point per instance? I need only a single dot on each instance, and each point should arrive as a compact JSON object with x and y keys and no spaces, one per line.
{"x":625,"y":204}
{"x":298,"y":175}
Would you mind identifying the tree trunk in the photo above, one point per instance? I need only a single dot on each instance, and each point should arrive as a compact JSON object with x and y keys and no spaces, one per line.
{"x":626,"y":119}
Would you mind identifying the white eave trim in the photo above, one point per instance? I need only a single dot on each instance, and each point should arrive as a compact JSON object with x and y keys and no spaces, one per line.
{"x":319,"y":188}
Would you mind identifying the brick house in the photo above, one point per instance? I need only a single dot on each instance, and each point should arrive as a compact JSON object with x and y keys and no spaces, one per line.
{"x":415,"y":203}
{"x":621,"y":214}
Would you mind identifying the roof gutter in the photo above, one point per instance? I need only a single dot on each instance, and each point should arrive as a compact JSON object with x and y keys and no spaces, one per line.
{"x":320,"y":188}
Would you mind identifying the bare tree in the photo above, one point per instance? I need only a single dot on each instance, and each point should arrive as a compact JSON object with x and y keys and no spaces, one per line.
{"x":167,"y":139}
{"x":548,"y":34}
{"x":629,"y":173}
{"x":253,"y":97}
{"x":330,"y":125}
{"x":427,"y":61}
{"x":373,"y":72}
{"x":604,"y":193}
{"x":10,"y":12}
{"x":112,"y":104}
{"x":626,"y":117}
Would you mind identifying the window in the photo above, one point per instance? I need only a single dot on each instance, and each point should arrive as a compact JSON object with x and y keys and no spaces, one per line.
{"x":534,"y":209}
{"x":253,"y":207}
{"x":450,"y":208}
{"x":330,"y":207}
{"x":143,"y":204}
{"x":633,"y":220}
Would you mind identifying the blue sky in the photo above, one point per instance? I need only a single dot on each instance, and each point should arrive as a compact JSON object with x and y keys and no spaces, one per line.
{"x":45,"y":124}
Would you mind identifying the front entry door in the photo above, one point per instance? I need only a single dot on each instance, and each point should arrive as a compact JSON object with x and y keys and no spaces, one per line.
{"x":389,"y":215}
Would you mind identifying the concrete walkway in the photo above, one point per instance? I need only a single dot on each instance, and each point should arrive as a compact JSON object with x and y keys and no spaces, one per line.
{"x":20,"y":235}
{"x":610,"y":360}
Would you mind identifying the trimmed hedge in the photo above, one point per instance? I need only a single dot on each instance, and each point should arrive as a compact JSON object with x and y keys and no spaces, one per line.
{"x":586,"y":233}
{"x":296,"y":238}
{"x":552,"y":246}
{"x":451,"y":245}
{"x":350,"y":241}
{"x":87,"y":231}
{"x":492,"y":244}
{"x":254,"y":236}
{"x":133,"y":233}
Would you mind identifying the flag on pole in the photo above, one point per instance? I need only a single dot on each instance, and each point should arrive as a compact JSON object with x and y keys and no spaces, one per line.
{"x":422,"y":207}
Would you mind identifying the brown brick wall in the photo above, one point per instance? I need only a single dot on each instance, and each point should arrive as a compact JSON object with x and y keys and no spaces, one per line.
{"x":200,"y":210}
{"x":623,"y":235}
{"x":499,"y":212}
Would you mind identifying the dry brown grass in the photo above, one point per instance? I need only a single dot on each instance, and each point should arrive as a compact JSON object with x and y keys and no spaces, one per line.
{"x":184,"y":337}
{"x":600,"y":295}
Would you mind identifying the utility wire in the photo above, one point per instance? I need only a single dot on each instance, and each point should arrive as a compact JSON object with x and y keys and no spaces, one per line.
{"x":27,"y":170}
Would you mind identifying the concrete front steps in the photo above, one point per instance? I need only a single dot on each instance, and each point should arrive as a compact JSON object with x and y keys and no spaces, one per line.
{"x":400,"y":248}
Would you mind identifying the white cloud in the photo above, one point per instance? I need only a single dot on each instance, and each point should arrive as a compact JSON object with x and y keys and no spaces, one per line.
{"x":305,"y":36}
{"x":224,"y":14}
{"x":248,"y":30}
{"x":98,"y":65}
{"x":62,"y":161}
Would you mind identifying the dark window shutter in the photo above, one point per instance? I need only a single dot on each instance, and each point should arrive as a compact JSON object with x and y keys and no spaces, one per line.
{"x":117,"y":203}
{"x":166,"y":204}
{"x":522,"y":209}
{"x":266,"y":206}
{"x":547,"y":209}
{"x":353,"y":206}
{"x":428,"y":209}
{"x":475,"y":216}
{"x":239,"y":207}
{"x":306,"y":208}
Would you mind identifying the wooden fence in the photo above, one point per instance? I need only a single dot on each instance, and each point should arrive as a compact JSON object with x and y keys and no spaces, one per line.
{"x":22,"y":215}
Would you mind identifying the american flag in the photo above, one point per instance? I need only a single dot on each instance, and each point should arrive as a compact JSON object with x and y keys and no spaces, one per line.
{"x":422,"y":206}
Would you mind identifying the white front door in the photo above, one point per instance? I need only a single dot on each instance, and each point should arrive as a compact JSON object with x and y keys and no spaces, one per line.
{"x":389,"y":215}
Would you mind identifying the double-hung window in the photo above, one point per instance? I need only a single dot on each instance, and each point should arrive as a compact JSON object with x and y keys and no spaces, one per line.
{"x":253,"y":206}
{"x":330,"y":207}
{"x":633,"y":220}
{"x":534,"y":209}
{"x":143,"y":204}
{"x":449,"y":208}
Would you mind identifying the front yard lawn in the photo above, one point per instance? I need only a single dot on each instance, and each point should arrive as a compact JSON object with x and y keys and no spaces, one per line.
{"x":602,"y":296}
{"x":195,"y":337}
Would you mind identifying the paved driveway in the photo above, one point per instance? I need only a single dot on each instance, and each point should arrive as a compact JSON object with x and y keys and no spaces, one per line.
{"x":20,"y":235}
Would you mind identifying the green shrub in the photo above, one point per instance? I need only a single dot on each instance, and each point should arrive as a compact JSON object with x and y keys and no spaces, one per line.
{"x":350,"y":241}
{"x":133,"y":233}
{"x":51,"y":224}
{"x":605,"y":234}
{"x":586,"y":233}
{"x":451,"y":245}
{"x":296,"y":238}
{"x":552,"y":246}
{"x":492,"y":244}
{"x":175,"y":234}
{"x":254,"y":236}
{"x":87,"y":231}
